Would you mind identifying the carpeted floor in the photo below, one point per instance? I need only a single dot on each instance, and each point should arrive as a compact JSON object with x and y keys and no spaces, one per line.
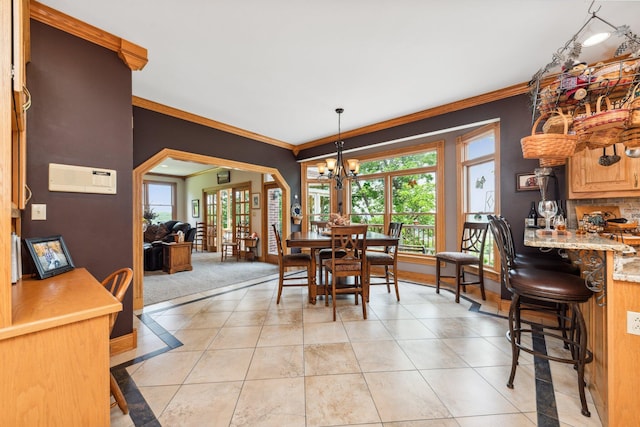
{"x":208,"y":273}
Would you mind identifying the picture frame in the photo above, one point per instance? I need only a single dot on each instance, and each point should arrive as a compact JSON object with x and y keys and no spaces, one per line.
{"x":50,"y":255}
{"x":526,"y":181}
{"x":255,"y":201}
{"x":195,"y":208}
{"x":224,"y":177}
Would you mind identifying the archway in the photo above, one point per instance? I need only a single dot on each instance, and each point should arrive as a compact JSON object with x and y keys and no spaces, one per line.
{"x":138,"y":174}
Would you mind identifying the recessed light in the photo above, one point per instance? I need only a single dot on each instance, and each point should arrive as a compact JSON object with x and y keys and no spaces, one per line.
{"x":164,"y":166}
{"x":595,"y":39}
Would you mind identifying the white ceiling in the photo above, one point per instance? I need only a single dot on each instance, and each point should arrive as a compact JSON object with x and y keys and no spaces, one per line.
{"x":279,"y":68}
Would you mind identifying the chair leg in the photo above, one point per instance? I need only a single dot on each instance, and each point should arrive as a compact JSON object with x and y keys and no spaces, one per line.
{"x":437,"y":276}
{"x":280,"y":283}
{"x":395,"y":283}
{"x":386,"y":277}
{"x":333,"y":294}
{"x":514,"y":311}
{"x":458,"y":273}
{"x":481,"y":280}
{"x":117,"y":394}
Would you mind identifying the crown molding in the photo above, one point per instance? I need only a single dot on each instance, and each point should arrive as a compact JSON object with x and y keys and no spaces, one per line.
{"x":134,"y":56}
{"x":194,"y":118}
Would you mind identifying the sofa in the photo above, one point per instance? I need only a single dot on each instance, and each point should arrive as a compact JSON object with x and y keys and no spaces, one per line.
{"x":164,"y":232}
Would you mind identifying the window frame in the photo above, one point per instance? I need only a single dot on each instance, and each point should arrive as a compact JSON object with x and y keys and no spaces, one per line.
{"x":439,"y":171}
{"x":145,"y":195}
{"x":462,"y":165}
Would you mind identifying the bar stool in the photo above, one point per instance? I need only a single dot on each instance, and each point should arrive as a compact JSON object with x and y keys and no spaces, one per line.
{"x":533,"y":289}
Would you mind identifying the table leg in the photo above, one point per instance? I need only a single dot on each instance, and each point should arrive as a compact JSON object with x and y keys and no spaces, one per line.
{"x":313,"y":286}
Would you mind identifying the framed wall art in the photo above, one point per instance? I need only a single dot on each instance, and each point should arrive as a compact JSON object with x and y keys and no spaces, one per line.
{"x":195,"y":208}
{"x":526,"y":182}
{"x":255,"y":201}
{"x":50,"y":255}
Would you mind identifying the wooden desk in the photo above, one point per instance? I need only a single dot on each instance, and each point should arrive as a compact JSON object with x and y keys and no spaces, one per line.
{"x":314,"y":241}
{"x":54,"y":357}
{"x":176,"y":257}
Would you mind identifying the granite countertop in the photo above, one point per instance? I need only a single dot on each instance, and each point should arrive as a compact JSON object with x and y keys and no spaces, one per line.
{"x":626,"y":258}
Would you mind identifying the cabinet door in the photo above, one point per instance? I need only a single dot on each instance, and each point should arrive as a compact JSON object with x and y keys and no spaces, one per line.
{"x":588,"y":179}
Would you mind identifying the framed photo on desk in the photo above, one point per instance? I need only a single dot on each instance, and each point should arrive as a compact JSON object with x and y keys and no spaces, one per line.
{"x":50,"y":255}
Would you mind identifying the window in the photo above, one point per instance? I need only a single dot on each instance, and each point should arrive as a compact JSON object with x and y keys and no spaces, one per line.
{"x":478,"y":163}
{"x":391,"y":187}
{"x":160,"y":197}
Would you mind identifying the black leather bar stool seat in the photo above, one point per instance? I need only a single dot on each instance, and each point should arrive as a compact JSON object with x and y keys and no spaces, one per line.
{"x":539,"y":290}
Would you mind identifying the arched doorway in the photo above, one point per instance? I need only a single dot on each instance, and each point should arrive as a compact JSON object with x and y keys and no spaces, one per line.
{"x":138,"y":174}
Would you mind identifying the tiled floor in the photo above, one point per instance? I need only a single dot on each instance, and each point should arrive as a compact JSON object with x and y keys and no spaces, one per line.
{"x":234,"y":358}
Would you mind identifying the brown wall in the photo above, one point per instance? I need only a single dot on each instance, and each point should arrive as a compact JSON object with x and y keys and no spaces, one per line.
{"x":81,"y":115}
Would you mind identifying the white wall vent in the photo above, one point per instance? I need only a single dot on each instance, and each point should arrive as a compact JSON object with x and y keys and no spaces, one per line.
{"x":81,"y":179}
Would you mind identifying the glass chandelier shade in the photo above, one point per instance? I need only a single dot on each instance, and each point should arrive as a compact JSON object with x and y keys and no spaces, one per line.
{"x":336,"y":168}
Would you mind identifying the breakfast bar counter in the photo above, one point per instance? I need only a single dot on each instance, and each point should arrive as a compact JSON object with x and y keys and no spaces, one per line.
{"x":612,"y":270}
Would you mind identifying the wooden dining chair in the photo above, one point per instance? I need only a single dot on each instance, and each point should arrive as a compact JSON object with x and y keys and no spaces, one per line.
{"x":348,"y":259}
{"x":388,"y":259}
{"x":200,"y":238}
{"x":471,"y":253}
{"x":299,"y":260}
{"x":232,"y":244}
{"x":117,"y":283}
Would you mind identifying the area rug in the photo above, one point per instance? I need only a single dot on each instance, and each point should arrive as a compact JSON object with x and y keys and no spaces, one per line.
{"x":208,"y":273}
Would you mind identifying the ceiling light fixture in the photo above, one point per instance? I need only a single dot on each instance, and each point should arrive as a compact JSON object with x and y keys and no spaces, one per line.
{"x":335,"y":168}
{"x":596,"y":39}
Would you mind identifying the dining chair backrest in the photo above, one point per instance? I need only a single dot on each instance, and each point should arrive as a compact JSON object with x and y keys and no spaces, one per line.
{"x":348,"y":243}
{"x":278,"y":240}
{"x":395,"y":230}
{"x":473,"y":238}
{"x":117,"y":284}
{"x":318,"y":225}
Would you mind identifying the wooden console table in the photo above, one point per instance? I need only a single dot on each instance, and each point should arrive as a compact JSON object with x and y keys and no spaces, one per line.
{"x":176,"y":257}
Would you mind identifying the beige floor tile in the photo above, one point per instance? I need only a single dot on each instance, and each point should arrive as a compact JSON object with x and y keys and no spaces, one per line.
{"x":510,"y":420}
{"x":450,"y":327}
{"x":238,"y":337}
{"x":166,"y":369}
{"x":331,"y":358}
{"x":284,"y":317}
{"x":407,"y":329}
{"x":339,"y":400}
{"x":465,"y":393}
{"x":246,"y":318}
{"x":173,"y":322}
{"x":218,"y":304}
{"x":317,"y":313}
{"x":272,"y":402}
{"x":329,"y":332}
{"x":404,"y":395}
{"x":372,"y":330}
{"x":375,"y":356}
{"x":431,"y":354}
{"x":221,"y":365}
{"x":195,"y":339}
{"x":276,"y":335}
{"x":569,"y":412}
{"x":193,"y":405}
{"x":445,"y":422}
{"x":254,"y":304}
{"x":277,"y":362}
{"x":523,"y":393}
{"x":478,"y":351}
{"x":158,"y":397}
{"x":207,"y":319}
{"x":389,"y":311}
{"x":486,"y":326}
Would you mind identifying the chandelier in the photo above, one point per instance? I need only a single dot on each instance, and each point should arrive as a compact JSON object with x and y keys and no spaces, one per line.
{"x":336,"y":168}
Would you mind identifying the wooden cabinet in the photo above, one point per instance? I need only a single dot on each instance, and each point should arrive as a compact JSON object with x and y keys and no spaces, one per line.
{"x":589,"y":180}
{"x":176,"y":257}
{"x":55,"y":355}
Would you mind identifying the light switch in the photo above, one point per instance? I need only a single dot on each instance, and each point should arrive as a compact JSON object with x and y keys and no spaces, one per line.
{"x":38,"y":212}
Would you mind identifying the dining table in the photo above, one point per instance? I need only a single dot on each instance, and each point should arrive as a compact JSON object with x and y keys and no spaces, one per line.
{"x":316,"y":240}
